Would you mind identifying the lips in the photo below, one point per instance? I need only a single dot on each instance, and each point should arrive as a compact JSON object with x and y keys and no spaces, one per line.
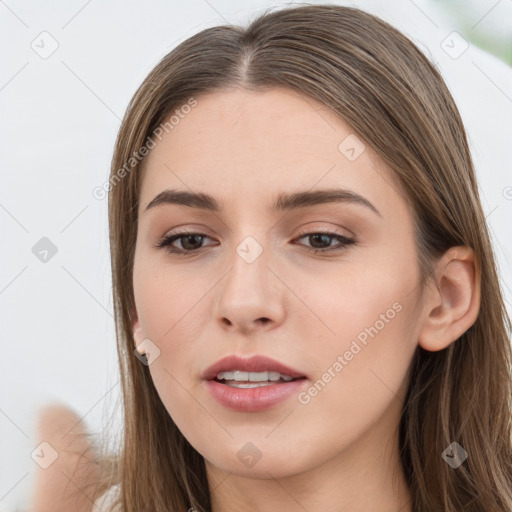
{"x":252,"y":364}
{"x":252,"y":396}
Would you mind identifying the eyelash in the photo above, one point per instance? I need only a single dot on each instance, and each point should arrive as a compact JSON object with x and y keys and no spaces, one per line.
{"x":166,"y":241}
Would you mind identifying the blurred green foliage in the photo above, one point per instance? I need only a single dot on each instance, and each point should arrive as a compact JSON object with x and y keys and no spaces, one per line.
{"x":484,"y":23}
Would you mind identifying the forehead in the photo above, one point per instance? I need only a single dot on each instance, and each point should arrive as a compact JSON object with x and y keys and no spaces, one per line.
{"x":252,"y":145}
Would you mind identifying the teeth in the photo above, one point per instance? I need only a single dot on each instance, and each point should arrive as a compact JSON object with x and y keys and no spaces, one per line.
{"x":239,"y":376}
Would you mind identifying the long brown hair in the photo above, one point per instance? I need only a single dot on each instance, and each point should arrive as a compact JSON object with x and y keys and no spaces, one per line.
{"x":383,"y":86}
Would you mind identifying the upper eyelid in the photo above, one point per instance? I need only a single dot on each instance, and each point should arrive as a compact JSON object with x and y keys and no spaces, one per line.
{"x":310,"y":229}
{"x":302,"y":233}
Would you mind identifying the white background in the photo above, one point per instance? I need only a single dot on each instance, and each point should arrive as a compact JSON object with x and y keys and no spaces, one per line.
{"x":58,"y":120}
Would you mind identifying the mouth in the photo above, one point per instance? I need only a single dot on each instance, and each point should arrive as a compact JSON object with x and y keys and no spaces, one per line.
{"x":251,"y":384}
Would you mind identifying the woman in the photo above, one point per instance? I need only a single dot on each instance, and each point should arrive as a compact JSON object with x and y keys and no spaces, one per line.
{"x":307,"y":306}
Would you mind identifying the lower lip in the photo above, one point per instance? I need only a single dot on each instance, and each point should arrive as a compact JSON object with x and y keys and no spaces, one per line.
{"x":253,"y":399}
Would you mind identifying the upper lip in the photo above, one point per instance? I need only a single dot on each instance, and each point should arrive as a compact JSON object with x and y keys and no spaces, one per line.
{"x":248,"y":364}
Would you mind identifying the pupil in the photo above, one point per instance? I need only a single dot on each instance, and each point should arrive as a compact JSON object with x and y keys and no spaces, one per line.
{"x":188,"y":237}
{"x":317,"y":236}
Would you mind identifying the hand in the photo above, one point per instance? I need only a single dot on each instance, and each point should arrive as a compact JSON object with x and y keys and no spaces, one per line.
{"x":68,"y":483}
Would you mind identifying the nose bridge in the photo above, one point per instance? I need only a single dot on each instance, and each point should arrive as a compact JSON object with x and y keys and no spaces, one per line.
{"x":250,"y":291}
{"x":251,"y":243}
{"x":248,"y":276}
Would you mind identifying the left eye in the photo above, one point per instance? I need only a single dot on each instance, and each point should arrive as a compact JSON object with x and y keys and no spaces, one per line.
{"x":191,"y":242}
{"x":323,"y":237}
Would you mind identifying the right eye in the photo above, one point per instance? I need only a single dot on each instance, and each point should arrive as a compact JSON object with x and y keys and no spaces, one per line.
{"x":188,"y":241}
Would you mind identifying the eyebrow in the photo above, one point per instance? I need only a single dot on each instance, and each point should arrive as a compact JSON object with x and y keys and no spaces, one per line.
{"x":283,"y":202}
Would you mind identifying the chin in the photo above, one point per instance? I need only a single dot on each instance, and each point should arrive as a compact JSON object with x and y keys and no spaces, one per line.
{"x":260,"y":460}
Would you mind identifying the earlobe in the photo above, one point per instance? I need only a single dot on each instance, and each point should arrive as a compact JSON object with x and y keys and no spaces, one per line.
{"x":452,"y":303}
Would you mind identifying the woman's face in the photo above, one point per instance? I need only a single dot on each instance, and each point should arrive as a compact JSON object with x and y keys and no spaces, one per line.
{"x":343,"y":319}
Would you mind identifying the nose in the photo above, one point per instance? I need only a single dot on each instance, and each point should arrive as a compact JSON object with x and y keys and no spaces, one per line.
{"x":250,"y":297}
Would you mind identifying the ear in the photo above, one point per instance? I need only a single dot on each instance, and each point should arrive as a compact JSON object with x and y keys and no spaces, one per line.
{"x":452,"y":303}
{"x":138,"y":336}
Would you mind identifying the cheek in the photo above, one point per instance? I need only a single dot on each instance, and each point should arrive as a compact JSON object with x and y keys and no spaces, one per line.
{"x":165,"y":303}
{"x":169,"y":305}
{"x":360,"y":347}
{"x":167,"y":300}
{"x":360,"y":376}
{"x":359,"y":299}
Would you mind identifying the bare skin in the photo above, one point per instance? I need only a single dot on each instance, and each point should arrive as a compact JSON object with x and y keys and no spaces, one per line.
{"x":56,"y":487}
{"x":337,"y":451}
